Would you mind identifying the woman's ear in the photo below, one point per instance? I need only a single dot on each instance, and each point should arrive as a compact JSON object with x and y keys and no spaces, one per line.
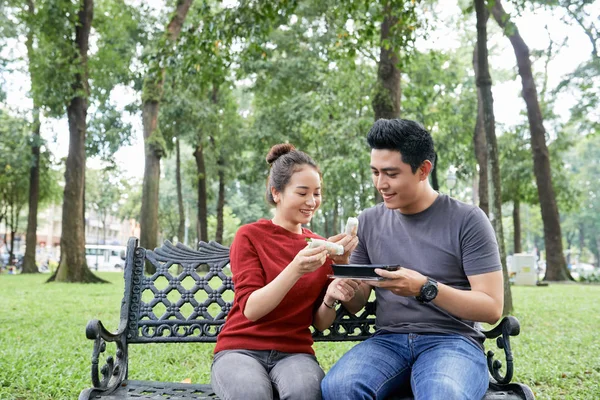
{"x":275,"y":194}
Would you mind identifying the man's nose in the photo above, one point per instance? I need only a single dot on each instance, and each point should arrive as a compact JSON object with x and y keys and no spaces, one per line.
{"x":380,"y":182}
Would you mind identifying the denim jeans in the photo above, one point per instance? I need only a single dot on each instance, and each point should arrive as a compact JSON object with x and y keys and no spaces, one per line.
{"x":255,"y":374}
{"x":444,"y":367}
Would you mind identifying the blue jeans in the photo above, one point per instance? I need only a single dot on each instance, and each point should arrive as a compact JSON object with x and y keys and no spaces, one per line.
{"x":442,"y":367}
{"x":255,"y":374}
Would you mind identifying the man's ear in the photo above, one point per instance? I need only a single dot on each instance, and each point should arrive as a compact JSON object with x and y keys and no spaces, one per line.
{"x":425,"y":170}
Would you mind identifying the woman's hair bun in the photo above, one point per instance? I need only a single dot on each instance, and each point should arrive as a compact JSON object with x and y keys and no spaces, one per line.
{"x":278,"y":150}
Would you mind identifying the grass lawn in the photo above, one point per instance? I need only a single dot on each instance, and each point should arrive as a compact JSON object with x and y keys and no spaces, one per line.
{"x":44,"y":353}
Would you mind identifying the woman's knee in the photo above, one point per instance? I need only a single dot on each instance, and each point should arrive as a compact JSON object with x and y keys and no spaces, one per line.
{"x":235,"y":376}
{"x":298,"y":377}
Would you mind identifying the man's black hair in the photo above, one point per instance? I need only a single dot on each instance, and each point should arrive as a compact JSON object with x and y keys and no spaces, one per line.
{"x":408,"y":137}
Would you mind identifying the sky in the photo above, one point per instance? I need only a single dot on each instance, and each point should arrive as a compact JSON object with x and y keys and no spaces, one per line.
{"x":507,"y":101}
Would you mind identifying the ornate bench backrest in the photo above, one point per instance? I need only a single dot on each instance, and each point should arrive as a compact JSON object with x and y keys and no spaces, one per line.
{"x":188,"y":297}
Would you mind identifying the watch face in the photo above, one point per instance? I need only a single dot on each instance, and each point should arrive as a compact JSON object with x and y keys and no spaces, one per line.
{"x":429,"y":291}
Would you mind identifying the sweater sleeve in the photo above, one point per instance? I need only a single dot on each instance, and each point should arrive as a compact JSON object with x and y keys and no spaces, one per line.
{"x":247,"y":271}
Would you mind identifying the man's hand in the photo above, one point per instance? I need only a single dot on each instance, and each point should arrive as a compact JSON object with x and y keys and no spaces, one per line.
{"x":349,"y":243}
{"x":403,"y":282}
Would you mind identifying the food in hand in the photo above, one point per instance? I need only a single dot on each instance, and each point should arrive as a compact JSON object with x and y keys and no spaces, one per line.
{"x":352,"y":226}
{"x":332,"y":248}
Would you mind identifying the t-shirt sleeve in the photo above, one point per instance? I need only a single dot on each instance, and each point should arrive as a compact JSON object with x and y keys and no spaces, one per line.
{"x":247,"y":271}
{"x":479,"y":247}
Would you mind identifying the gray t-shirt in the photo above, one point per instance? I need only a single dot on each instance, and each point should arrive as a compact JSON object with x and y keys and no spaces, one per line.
{"x":448,"y":241}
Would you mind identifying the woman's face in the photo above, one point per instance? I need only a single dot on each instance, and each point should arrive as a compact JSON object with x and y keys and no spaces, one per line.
{"x":301,"y":197}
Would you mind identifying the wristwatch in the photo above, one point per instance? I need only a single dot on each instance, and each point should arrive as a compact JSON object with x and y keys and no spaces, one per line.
{"x":428,"y":291}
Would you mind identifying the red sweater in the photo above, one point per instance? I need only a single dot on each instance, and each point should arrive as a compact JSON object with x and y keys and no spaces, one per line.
{"x":260,"y":251}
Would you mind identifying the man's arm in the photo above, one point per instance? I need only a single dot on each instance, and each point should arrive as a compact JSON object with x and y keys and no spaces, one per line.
{"x":483,"y":303}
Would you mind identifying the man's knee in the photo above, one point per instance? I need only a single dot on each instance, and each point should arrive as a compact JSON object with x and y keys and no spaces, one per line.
{"x":444,"y":387}
{"x":337,"y":387}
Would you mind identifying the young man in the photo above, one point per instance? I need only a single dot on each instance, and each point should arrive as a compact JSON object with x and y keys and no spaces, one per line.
{"x":450,"y":277}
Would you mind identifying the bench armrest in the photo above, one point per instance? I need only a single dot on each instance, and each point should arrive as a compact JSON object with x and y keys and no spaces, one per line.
{"x":115,"y":369}
{"x":509,"y":326}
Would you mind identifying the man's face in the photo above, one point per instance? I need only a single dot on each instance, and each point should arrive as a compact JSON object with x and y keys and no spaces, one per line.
{"x":394,"y":179}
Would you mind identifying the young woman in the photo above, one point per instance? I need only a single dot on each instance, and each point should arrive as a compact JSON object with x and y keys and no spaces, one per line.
{"x":281,"y":288}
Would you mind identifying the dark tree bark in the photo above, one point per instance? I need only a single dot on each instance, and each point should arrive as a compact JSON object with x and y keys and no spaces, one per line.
{"x":517,"y":224}
{"x":220,"y":199}
{"x":556,"y":268}
{"x":181,"y":226}
{"x":153,"y":148}
{"x":73,"y":266}
{"x":386,"y":101}
{"x":484,"y":85}
{"x":480,"y":146}
{"x":202,"y":223}
{"x":29,"y":265}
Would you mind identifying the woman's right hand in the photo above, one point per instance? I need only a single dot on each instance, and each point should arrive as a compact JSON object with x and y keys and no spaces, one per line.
{"x":309,"y":260}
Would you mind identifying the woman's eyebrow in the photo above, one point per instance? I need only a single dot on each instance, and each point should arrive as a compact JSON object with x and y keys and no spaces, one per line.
{"x":306,"y":187}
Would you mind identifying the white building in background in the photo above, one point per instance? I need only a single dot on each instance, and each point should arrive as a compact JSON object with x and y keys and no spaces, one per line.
{"x":49,"y":232}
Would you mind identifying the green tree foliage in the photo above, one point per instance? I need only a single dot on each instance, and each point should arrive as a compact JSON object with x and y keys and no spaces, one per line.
{"x":105,"y":191}
{"x":15,"y":162}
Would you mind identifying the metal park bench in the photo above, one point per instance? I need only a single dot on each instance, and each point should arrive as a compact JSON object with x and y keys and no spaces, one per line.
{"x":184,"y":302}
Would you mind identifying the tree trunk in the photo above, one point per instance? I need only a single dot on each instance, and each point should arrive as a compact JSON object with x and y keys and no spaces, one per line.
{"x":480,"y":145}
{"x":29,"y":265}
{"x":386,"y":100}
{"x":153,"y":140}
{"x":220,"y":200}
{"x":202,"y":223}
{"x":181,"y":227}
{"x":73,"y":266}
{"x":517,"y":225}
{"x":104,"y":230}
{"x":556,"y":268}
{"x":484,"y":84}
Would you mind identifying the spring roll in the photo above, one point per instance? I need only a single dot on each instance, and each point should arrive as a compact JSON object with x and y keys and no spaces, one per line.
{"x":332,"y":248}
{"x":352,"y":226}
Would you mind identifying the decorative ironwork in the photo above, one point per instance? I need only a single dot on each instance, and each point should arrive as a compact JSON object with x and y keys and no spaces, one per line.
{"x":349,"y":327}
{"x":155,"y":390}
{"x":182,"y":301}
{"x":509,"y":326}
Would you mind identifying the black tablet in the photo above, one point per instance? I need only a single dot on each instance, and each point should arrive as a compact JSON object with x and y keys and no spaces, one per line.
{"x":360,"y":271}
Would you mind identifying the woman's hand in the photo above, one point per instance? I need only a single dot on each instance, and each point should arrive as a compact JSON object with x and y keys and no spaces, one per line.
{"x":309,"y":260}
{"x":341,"y":290}
{"x":349,"y":243}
